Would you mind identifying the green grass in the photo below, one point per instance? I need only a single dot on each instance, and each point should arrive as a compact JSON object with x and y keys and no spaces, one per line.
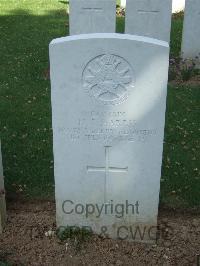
{"x":176,"y":35}
{"x":180,"y":184}
{"x":27,"y":27}
{"x":26,"y":30}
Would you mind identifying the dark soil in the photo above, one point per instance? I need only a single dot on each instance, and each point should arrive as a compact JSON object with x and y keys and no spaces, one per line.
{"x":24,"y":242}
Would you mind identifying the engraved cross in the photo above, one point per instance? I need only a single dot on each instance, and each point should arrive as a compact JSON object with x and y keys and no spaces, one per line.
{"x":107,"y":169}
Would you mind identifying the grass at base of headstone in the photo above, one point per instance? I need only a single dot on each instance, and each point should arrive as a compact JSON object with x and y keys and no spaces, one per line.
{"x":75,"y":236}
{"x":176,"y":34}
{"x":27,"y":27}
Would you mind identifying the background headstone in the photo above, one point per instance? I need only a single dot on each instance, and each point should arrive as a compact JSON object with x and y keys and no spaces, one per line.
{"x":92,"y":16}
{"x":151,"y":18}
{"x":2,"y":196}
{"x":177,"y":5}
{"x":191,"y":30}
{"x":108,"y":113}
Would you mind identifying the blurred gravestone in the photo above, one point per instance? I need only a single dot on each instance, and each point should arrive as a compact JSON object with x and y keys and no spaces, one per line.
{"x":2,"y":196}
{"x":191,"y":30}
{"x":177,"y":5}
{"x":151,"y":18}
{"x":92,"y":16}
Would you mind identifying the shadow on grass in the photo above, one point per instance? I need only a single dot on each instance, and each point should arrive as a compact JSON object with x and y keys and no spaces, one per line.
{"x":25,"y":99}
{"x":25,"y":112}
{"x":25,"y":109}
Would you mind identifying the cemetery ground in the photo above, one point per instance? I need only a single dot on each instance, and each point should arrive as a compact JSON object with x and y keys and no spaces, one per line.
{"x":26,"y":30}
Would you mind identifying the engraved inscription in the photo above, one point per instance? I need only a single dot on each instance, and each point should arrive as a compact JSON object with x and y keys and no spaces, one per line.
{"x":148,"y":11}
{"x":96,"y":9}
{"x":94,"y":126}
{"x":108,"y":78}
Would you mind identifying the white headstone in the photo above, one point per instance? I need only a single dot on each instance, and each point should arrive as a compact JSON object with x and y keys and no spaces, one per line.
{"x":151,"y":18}
{"x":191,"y":30}
{"x":92,"y":16}
{"x":177,"y":5}
{"x":2,"y":197}
{"x":108,"y":109}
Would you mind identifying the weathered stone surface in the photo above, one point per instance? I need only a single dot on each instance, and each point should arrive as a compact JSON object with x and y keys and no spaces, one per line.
{"x":151,"y":18}
{"x":177,"y":5}
{"x":191,"y":30}
{"x":108,"y":109}
{"x":92,"y":16}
